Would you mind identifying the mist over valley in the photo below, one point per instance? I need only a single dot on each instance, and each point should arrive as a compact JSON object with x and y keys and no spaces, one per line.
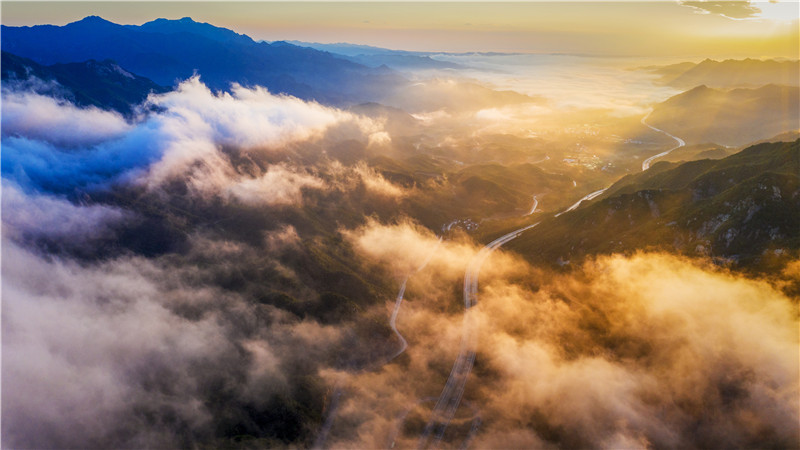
{"x":217,"y":240}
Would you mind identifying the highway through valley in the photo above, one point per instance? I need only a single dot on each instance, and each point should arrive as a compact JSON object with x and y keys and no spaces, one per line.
{"x":449,"y":400}
{"x":453,"y":391}
{"x":646,"y":163}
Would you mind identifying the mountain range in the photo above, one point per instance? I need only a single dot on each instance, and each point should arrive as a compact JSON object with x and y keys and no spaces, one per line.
{"x":729,"y":117}
{"x":730,"y":73}
{"x":167,"y":51}
{"x":371,"y":56}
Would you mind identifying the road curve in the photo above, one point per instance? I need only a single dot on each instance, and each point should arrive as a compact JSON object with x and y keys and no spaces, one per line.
{"x":330,"y":414}
{"x":453,"y":390}
{"x":399,"y":302}
{"x":588,"y":197}
{"x":533,"y":208}
{"x":322,"y":434}
{"x":646,"y":163}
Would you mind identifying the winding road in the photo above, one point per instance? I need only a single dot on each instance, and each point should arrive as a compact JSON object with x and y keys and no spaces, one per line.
{"x":325,"y":429}
{"x":453,"y":390}
{"x":588,"y":197}
{"x":533,"y":208}
{"x":449,"y":400}
{"x":646,"y":163}
{"x":399,"y":302}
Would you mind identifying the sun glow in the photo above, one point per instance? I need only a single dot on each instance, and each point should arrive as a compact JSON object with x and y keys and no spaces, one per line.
{"x":786,"y":11}
{"x":600,"y":28}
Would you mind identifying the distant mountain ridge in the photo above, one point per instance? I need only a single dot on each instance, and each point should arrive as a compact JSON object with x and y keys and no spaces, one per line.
{"x":730,"y":73}
{"x":167,"y":51}
{"x":187,"y":25}
{"x":376,"y":56}
{"x":730,"y":117}
{"x":103,"y":84}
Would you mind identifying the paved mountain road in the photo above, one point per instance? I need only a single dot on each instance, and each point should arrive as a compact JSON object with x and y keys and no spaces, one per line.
{"x":453,"y":390}
{"x":646,"y":163}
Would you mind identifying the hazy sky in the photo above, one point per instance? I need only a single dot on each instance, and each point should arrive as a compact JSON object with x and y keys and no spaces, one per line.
{"x":643,"y":28}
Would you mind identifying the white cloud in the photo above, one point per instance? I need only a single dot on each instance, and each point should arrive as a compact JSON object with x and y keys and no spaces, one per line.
{"x":45,"y":216}
{"x":247,"y":118}
{"x":124,"y":352}
{"x":197,"y":126}
{"x":61,"y":123}
{"x":190,"y":135}
{"x":279,"y":185}
{"x":78,"y":344}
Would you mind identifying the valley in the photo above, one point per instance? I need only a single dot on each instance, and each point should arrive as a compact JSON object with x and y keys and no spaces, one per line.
{"x":218,"y":240}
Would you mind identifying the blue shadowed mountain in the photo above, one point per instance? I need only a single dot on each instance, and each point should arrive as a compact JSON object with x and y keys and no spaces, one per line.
{"x":376,"y":56}
{"x":167,"y":51}
{"x":187,"y":25}
{"x":103,"y":84}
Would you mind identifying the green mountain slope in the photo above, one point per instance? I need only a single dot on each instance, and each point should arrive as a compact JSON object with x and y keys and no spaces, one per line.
{"x":743,"y":211}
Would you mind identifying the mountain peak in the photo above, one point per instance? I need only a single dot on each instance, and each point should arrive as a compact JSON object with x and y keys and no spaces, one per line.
{"x":92,"y":20}
{"x":166,"y":50}
{"x":182,"y":20}
{"x":189,"y":25}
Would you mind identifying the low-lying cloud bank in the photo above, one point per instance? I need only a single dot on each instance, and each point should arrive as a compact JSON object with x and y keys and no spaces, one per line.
{"x":135,"y":353}
{"x":30,"y":217}
{"x":212,"y":141}
{"x":179,"y":348}
{"x":58,"y":122}
{"x":651,"y":350}
{"x":644,"y":351}
{"x":190,"y":348}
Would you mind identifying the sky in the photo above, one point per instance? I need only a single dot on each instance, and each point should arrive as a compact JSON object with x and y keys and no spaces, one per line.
{"x":642,"y":28}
